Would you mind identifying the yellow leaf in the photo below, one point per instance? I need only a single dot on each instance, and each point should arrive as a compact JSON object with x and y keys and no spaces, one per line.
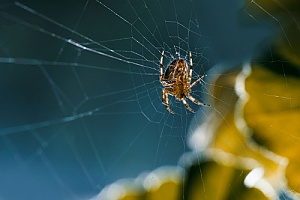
{"x":273,"y":113}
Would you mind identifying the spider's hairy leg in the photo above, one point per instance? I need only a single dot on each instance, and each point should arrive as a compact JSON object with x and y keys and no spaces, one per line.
{"x":196,"y":81}
{"x":187,"y":105}
{"x":161,"y":65}
{"x":165,"y":84}
{"x":165,"y":99}
{"x":196,"y":101}
{"x":191,"y":66}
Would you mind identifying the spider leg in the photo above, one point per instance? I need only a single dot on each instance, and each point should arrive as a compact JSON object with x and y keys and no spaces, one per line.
{"x":196,"y":81}
{"x":165,"y":84}
{"x":196,"y":101}
{"x":165,"y":99}
{"x":191,"y":66}
{"x":161,"y":65}
{"x":187,"y":105}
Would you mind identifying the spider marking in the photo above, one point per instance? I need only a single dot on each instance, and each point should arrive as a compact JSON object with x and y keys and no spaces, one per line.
{"x":177,"y":82}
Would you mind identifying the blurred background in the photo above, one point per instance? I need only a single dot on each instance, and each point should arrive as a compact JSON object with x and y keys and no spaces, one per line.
{"x":80,"y":93}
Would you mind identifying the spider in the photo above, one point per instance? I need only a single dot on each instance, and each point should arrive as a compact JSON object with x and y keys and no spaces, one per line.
{"x":177,"y":82}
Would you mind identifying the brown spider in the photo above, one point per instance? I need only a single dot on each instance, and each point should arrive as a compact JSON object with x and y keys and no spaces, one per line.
{"x":177,"y":82}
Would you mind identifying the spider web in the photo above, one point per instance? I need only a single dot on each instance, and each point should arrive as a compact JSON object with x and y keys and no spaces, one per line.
{"x":81,"y":98}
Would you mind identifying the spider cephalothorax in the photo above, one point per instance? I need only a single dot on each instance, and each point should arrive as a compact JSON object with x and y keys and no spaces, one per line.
{"x":177,"y":82}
